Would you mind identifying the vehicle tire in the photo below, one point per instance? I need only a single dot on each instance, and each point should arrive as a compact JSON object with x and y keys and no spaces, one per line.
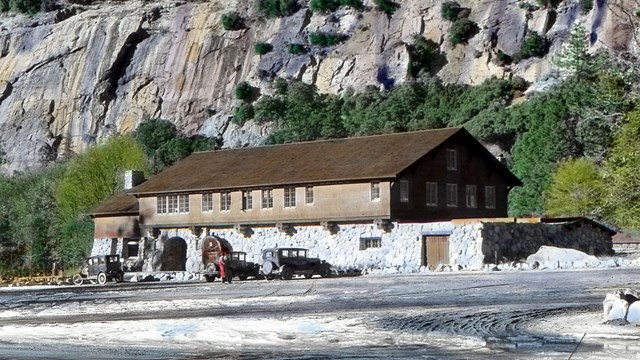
{"x":102,"y":278}
{"x":287,"y":273}
{"x":210,"y":278}
{"x":242,"y":278}
{"x":308,"y":276}
{"x":325,"y":272}
{"x":77,"y":279}
{"x":118,"y":278}
{"x":267,"y":267}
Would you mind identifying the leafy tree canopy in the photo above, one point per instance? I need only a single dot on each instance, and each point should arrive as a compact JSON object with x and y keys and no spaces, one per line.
{"x":576,"y":189}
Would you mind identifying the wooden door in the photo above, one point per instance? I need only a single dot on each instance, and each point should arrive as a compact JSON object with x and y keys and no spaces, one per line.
{"x":435,"y":250}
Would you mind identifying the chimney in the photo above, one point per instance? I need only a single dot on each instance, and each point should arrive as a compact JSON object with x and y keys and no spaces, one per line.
{"x":133,"y":178}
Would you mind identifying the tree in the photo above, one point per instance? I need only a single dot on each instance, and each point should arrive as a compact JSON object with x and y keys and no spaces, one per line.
{"x":576,"y":189}
{"x":622,"y":174}
{"x":232,"y":21}
{"x":152,"y":134}
{"x":574,"y":57}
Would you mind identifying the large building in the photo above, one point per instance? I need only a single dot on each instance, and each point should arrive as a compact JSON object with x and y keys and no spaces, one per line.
{"x":340,"y":198}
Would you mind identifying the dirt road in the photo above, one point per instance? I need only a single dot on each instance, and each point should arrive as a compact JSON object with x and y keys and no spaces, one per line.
{"x":522,"y":315}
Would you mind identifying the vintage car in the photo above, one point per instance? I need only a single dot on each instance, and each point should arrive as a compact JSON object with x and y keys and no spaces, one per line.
{"x":286,"y":262}
{"x":240,"y":267}
{"x":100,"y":268}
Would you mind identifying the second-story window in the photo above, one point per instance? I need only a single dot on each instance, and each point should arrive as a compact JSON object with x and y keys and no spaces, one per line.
{"x":308,"y":195}
{"x":162,"y":204}
{"x":247,"y":200}
{"x":289,"y":197}
{"x":225,"y":201}
{"x":472,"y":201}
{"x":452,"y":195}
{"x":183,"y":203}
{"x":404,"y":190}
{"x":207,"y":202}
{"x":375,"y":191}
{"x":432,"y":194}
{"x":490,"y":197}
{"x":452,"y":159}
{"x":267,"y":198}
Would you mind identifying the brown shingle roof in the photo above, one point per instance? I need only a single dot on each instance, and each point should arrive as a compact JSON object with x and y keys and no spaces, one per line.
{"x":119,"y":204}
{"x":359,"y":158}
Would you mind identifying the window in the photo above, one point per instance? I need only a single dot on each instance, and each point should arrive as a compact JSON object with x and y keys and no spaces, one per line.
{"x":452,"y":159}
{"x":308,"y":195}
{"x":207,"y":202}
{"x":375,"y":191}
{"x":490,"y":197}
{"x":472,"y":201}
{"x":247,"y":200}
{"x":452,"y":195}
{"x":289,"y":197}
{"x":162,"y":204}
{"x":225,"y":201}
{"x":370,"y":242}
{"x":183,"y":203}
{"x":133,"y":246}
{"x":404,"y":190}
{"x":267,"y":199}
{"x":173,"y":204}
{"x":432,"y":194}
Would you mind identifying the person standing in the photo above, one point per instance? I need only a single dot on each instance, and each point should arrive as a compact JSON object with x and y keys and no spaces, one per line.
{"x":221,"y":266}
{"x":228,"y":271}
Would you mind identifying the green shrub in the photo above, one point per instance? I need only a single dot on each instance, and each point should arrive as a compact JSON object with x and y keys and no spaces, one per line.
{"x":296,"y":49}
{"x":277,"y":8}
{"x":324,"y":5}
{"x":243,"y":91}
{"x":587,"y":5}
{"x":244,"y":112}
{"x":462,"y":30}
{"x":232,"y":21}
{"x":29,"y":7}
{"x":503,"y":58}
{"x":449,"y":10}
{"x":528,"y":6}
{"x":262,"y":48}
{"x":320,"y":38}
{"x":422,"y":53}
{"x":355,"y":4}
{"x":281,"y":86}
{"x":386,"y":6}
{"x":534,"y":45}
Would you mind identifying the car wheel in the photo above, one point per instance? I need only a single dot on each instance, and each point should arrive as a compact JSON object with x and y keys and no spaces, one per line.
{"x":308,"y":276}
{"x":242,"y":278}
{"x":102,"y":278}
{"x":118,"y":278}
{"x":287,"y":273}
{"x":267,"y":267}
{"x":77,"y":279}
{"x":326,"y":272}
{"x":210,"y":278}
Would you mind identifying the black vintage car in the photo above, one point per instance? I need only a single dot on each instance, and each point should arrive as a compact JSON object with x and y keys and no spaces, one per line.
{"x":100,"y":268}
{"x":286,"y":262}
{"x":242,"y":268}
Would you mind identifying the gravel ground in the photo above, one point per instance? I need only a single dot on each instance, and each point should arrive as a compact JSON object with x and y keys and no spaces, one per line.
{"x":466,"y":315}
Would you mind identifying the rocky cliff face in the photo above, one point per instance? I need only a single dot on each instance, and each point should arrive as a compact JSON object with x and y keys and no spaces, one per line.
{"x":70,"y":77}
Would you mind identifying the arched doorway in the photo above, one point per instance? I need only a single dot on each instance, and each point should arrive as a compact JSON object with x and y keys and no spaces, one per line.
{"x":174,"y":254}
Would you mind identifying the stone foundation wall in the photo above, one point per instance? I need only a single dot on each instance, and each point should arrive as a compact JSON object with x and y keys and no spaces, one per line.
{"x":502,"y":242}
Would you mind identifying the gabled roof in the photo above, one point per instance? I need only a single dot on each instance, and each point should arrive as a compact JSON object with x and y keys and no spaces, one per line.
{"x":119,"y":204}
{"x":326,"y":161}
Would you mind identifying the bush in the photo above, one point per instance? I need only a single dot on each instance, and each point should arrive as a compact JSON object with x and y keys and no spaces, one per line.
{"x":386,"y":6}
{"x":534,"y":44}
{"x":232,"y":21}
{"x":449,"y":10}
{"x":29,"y":7}
{"x":462,"y":30}
{"x":244,"y":112}
{"x":281,"y":86}
{"x":324,"y":5}
{"x":528,"y":6}
{"x":277,"y":8}
{"x":422,"y":53}
{"x":262,"y":48}
{"x":356,"y":4}
{"x":587,"y":5}
{"x":503,"y":58}
{"x":320,"y":38}
{"x":297,"y":49}
{"x":243,"y":91}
